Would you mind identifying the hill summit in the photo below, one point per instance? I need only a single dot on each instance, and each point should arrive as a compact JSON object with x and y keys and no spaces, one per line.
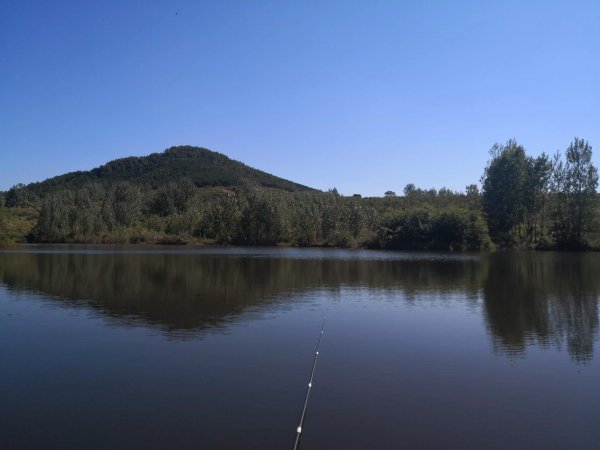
{"x":204,"y":167}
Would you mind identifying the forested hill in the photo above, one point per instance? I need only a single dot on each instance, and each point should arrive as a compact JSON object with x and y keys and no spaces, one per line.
{"x":202,"y":166}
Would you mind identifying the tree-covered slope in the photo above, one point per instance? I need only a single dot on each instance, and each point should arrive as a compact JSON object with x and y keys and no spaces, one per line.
{"x":204,"y":167}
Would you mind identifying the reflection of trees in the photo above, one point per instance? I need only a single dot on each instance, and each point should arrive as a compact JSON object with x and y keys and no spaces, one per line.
{"x":544,"y":299}
{"x":191,"y":291}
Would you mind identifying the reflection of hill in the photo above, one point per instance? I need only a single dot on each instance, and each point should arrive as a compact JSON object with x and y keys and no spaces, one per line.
{"x":193,"y":290}
{"x":543,"y":298}
{"x":528,"y":298}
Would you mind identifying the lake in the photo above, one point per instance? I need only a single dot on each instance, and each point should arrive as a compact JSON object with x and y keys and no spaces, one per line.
{"x":182,"y":348}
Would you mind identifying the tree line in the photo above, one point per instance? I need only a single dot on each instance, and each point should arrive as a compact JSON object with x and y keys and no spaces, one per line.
{"x":543,"y":201}
{"x":539,"y":202}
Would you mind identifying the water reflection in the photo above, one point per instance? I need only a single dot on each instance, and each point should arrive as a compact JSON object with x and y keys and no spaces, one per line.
{"x":528,"y":299}
{"x":543,"y":299}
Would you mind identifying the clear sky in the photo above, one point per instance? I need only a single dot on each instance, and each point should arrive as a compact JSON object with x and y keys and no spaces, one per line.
{"x":362,"y":95}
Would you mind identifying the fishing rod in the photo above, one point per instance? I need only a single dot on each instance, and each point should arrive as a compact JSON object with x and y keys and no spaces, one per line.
{"x":310,"y":382}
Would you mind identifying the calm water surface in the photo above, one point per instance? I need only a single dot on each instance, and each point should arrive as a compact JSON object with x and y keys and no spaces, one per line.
{"x":132,"y":347}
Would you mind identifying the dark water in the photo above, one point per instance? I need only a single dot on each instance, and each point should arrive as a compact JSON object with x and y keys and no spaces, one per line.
{"x":143,"y":348}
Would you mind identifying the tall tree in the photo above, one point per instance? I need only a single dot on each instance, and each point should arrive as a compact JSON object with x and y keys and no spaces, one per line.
{"x":262,"y":218}
{"x":19,"y":195}
{"x":53,"y":222}
{"x":503,"y":183}
{"x":574,"y":185}
{"x":126,"y":201}
{"x":473,"y":197}
{"x":221,"y":217}
{"x":539,"y":171}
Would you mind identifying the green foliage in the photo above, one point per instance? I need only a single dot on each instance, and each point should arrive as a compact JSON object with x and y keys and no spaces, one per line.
{"x":503,"y":182}
{"x":16,"y":224}
{"x":262,"y":218}
{"x":255,"y":215}
{"x":539,"y":171}
{"x":192,"y":195}
{"x":221,"y":218}
{"x":427,"y":229}
{"x":20,"y":195}
{"x":126,"y":202}
{"x":408,"y":230}
{"x":306,"y":217}
{"x":54,"y":220}
{"x":574,"y":185}
{"x":85,"y":215}
{"x":410,"y":189}
{"x":515,"y":195}
{"x":173,"y":198}
{"x":201,"y":166}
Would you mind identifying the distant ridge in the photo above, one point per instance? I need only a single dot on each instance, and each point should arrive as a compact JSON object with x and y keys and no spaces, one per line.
{"x":204,"y":167}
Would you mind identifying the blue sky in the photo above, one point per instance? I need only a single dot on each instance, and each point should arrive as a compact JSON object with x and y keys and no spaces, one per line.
{"x":365,"y":96}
